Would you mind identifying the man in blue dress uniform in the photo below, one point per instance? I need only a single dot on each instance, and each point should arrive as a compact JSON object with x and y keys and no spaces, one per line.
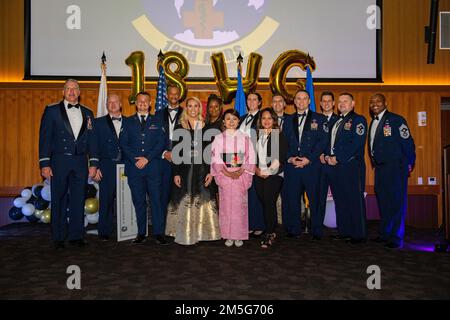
{"x":168,"y":118}
{"x":142,"y":142}
{"x":392,"y":152}
{"x":327,"y":107}
{"x":307,"y":139}
{"x":345,"y":157}
{"x":107,"y":132}
{"x":66,"y":145}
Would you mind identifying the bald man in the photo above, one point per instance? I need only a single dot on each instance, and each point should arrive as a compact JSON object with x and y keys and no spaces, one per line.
{"x":107,"y":131}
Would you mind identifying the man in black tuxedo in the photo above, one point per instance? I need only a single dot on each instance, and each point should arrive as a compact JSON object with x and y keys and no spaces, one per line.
{"x":168,"y":118}
{"x":279,"y":106}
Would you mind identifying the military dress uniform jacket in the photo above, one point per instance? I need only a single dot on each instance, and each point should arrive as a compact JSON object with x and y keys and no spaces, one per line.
{"x":107,"y":139}
{"x":141,"y":141}
{"x":393,"y":141}
{"x":350,"y":139}
{"x":314,"y":136}
{"x":57,"y":138}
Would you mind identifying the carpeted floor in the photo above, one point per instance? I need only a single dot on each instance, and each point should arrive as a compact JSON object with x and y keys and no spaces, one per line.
{"x":291,"y":269}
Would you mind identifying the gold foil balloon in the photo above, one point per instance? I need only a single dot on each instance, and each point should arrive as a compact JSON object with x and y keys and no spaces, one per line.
{"x":177,"y":76}
{"x":280,"y":68}
{"x":91,"y":205}
{"x":136,"y":62}
{"x":38,"y":213}
{"x":228,"y":87}
{"x":46,"y":216}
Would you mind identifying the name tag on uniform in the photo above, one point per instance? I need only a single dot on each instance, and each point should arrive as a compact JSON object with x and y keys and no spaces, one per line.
{"x":153,"y":127}
{"x":314,"y":124}
{"x":387,"y":130}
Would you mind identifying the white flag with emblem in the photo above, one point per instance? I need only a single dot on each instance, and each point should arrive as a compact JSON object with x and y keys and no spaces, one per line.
{"x":103,"y":91}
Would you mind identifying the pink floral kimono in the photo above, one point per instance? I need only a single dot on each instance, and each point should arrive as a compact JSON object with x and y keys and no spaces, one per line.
{"x":231,"y":151}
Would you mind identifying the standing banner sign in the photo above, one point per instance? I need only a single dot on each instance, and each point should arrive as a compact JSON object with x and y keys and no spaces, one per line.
{"x":126,"y":215}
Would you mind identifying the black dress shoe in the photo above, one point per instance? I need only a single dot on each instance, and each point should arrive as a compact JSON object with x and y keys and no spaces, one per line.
{"x":103,"y":238}
{"x":59,"y":245}
{"x":293,"y":236}
{"x":256,"y":234}
{"x":139,"y":239}
{"x":80,"y":243}
{"x":378,"y":240}
{"x":356,"y":241}
{"x":392,"y":245}
{"x":339,"y":237}
{"x":161,"y":240}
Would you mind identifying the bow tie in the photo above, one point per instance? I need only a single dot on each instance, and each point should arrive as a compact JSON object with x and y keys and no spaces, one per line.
{"x":69,"y":106}
{"x":341,"y":117}
{"x":376,"y":118}
{"x":173,"y":109}
{"x":301,"y":114}
{"x":281,"y":117}
{"x":116,"y":119}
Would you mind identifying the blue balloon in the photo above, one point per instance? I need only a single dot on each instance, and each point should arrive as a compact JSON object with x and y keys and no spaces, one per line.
{"x":15,"y":213}
{"x":32,"y":218}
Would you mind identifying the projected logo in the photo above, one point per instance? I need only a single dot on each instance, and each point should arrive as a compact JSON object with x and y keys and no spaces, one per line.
{"x":197,"y":28}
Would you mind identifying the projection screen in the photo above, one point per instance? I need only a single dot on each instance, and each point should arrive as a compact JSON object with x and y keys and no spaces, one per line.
{"x":67,"y":37}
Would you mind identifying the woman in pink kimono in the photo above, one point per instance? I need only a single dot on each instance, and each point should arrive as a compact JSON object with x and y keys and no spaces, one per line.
{"x":233,"y":167}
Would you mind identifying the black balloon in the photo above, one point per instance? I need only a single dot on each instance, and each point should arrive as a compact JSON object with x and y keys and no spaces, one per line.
{"x":91,"y":191}
{"x":41,"y":204}
{"x":15,"y":213}
{"x":32,"y":200}
{"x":32,"y":218}
{"x":37,"y":191}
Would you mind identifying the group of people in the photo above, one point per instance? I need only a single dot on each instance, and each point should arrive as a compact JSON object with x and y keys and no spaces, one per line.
{"x":220,"y":176}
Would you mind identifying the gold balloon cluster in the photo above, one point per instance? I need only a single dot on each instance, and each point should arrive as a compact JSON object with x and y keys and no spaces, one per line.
{"x":91,"y":205}
{"x":43,"y":215}
{"x":226,"y":86}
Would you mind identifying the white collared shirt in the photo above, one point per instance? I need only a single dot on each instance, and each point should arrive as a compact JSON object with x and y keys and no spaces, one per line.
{"x":301,"y":123}
{"x":75,"y":118}
{"x":246,"y":124}
{"x":262,"y":151}
{"x":117,"y":124}
{"x":334,"y":131}
{"x":373,"y":130}
{"x":172,"y":119}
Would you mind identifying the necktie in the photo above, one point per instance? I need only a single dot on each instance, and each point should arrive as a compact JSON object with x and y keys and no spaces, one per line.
{"x":142,"y":121}
{"x":302,"y":116}
{"x":248,"y":120}
{"x":172,"y":119}
{"x":116,"y":118}
{"x":70,"y":106}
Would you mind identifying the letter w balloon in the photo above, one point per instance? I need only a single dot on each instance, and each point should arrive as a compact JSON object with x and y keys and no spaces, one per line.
{"x":228,"y":87}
